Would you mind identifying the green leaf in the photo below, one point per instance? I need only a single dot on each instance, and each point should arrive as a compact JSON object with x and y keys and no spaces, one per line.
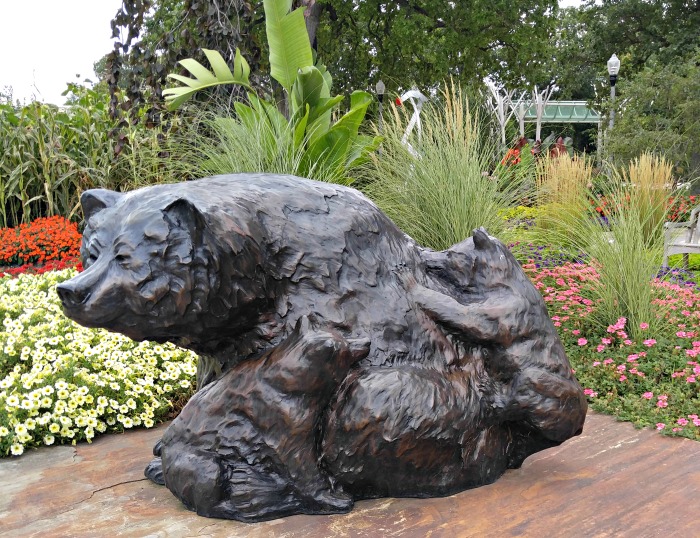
{"x":359,"y":101}
{"x":300,"y":129}
{"x":308,"y":88}
{"x":361,"y":149}
{"x":290,"y":49}
{"x":328,"y":152}
{"x":203,"y":78}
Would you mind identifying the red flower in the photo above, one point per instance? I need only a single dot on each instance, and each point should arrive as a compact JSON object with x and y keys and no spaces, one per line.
{"x":398,"y":101}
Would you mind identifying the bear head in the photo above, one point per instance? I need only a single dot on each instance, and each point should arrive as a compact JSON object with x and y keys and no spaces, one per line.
{"x":147,"y":269}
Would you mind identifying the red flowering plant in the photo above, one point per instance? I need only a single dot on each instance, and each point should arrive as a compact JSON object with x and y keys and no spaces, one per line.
{"x":46,"y":244}
{"x":677,"y":210}
{"x":679,"y":207}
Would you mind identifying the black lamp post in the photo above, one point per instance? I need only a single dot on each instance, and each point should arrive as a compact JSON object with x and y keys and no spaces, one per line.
{"x":613,"y":69}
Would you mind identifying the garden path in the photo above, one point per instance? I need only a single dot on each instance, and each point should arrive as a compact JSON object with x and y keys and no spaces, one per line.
{"x":613,"y":480}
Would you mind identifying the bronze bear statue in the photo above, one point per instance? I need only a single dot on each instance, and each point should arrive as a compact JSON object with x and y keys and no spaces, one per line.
{"x":339,"y":360}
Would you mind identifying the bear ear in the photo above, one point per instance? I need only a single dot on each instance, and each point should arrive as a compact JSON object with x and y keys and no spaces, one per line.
{"x":95,"y":200}
{"x":183,"y":214}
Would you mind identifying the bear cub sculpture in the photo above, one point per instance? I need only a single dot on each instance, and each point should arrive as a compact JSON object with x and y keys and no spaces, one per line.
{"x":339,"y":360}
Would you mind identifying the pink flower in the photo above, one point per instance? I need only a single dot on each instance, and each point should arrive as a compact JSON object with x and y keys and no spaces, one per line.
{"x":582,"y":341}
{"x":648,"y":395}
{"x":696,"y":421}
{"x":596,"y":363}
{"x":623,"y":378}
{"x":682,"y":421}
{"x":650,"y":342}
{"x":660,"y":426}
{"x":600,"y":348}
{"x":608,"y":361}
{"x":690,"y":379}
{"x":633,"y":357}
{"x":621,"y":368}
{"x":606,"y":341}
{"x":643,"y":325}
{"x":576,"y":332}
{"x":590,"y":392}
{"x":628,"y":342}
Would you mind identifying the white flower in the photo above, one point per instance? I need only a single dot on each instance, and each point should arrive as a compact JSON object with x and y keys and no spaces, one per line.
{"x":17,"y":449}
{"x":48,"y":439}
{"x":4,"y":431}
{"x":54,"y":428}
{"x":12,"y":401}
{"x":20,"y":429}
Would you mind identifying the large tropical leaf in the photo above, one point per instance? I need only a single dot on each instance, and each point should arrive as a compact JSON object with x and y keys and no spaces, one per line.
{"x":359,"y":101}
{"x":203,"y":78}
{"x":290,"y":48}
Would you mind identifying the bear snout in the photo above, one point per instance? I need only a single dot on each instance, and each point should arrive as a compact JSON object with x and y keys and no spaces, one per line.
{"x":71,"y":295}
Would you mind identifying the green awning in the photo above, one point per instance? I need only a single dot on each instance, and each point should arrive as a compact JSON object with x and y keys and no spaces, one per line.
{"x":564,"y":112}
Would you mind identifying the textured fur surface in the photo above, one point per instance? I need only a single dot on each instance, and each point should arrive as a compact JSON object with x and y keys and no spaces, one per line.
{"x":327,"y":334}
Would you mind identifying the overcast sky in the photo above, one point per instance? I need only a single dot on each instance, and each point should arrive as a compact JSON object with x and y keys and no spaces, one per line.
{"x":44,"y":44}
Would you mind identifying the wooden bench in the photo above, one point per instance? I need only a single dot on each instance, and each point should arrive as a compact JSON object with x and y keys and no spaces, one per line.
{"x":682,"y":238}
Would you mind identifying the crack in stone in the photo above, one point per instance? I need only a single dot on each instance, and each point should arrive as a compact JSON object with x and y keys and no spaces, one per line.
{"x":77,"y":503}
{"x":199,"y":532}
{"x":112,"y":486}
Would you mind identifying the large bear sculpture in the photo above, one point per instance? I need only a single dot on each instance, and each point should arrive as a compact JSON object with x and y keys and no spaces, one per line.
{"x":339,"y":360}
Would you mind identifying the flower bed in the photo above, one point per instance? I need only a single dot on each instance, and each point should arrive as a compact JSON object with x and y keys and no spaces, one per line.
{"x":652,"y":382}
{"x":61,"y":383}
{"x":45,"y":239}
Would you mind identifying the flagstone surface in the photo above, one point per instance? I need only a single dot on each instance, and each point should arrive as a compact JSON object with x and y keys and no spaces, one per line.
{"x":611,"y":481}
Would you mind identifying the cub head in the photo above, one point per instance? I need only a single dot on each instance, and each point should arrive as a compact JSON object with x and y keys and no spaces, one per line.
{"x":139,"y":276}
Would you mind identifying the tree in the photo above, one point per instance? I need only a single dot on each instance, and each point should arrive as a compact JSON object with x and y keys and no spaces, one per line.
{"x":423,"y":42}
{"x":155,"y":34}
{"x":404,"y":42}
{"x":661,"y":114}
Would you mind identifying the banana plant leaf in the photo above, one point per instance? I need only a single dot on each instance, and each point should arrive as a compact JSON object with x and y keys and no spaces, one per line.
{"x":203,"y":78}
{"x":290,"y":49}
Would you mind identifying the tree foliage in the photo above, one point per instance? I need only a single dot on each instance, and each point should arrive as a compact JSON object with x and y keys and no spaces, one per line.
{"x":424,"y":42}
{"x":661,"y":114}
{"x":405,"y":42}
{"x":153,"y":35}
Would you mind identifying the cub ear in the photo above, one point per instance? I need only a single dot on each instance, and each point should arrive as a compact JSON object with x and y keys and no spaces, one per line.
{"x":95,"y":200}
{"x":482,"y":241}
{"x":183,"y":214}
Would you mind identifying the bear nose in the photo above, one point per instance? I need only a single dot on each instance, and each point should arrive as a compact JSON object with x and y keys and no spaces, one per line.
{"x":71,"y":296}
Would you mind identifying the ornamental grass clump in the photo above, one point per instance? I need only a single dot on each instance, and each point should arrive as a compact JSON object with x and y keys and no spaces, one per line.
{"x":62,"y":383}
{"x":436,"y":185}
{"x":625,"y":245}
{"x":562,"y":188}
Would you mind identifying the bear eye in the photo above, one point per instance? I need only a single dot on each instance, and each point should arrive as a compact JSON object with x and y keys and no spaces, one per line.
{"x":122,"y":258}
